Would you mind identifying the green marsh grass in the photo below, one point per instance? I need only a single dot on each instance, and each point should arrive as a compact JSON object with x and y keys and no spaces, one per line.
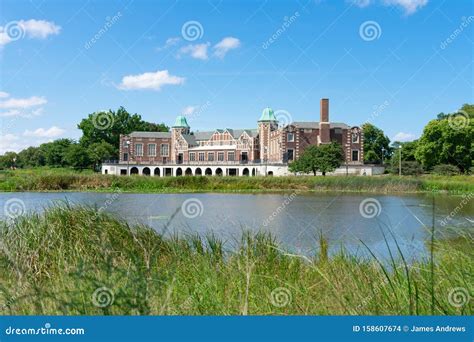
{"x":59,"y":261}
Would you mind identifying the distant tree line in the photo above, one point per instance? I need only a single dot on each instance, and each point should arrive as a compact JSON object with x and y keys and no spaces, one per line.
{"x":100,"y":141}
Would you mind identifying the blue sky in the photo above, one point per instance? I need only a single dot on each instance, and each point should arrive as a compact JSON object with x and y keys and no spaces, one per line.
{"x":395,"y":63}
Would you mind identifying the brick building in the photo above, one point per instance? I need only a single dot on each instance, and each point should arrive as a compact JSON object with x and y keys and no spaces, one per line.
{"x":266,"y":149}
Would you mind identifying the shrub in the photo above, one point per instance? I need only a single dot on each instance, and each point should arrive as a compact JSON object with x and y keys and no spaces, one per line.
{"x":446,"y":170}
{"x":409,"y":168}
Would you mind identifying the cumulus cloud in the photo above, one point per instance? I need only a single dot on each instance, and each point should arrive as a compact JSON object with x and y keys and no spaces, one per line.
{"x":408,"y":6}
{"x":198,"y":51}
{"x":3,"y":94}
{"x":403,"y":137}
{"x":51,"y":132}
{"x":150,"y":80}
{"x":34,"y":29}
{"x":225,"y":45}
{"x":18,"y":103}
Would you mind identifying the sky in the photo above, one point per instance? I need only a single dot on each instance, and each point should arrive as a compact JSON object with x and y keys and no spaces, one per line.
{"x":393,"y":63}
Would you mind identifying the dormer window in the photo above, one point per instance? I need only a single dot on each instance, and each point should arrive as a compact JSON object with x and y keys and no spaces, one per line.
{"x":355,"y":137}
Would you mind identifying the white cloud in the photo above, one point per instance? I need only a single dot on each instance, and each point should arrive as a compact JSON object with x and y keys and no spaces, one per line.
{"x":198,"y":51}
{"x":225,"y":45}
{"x":189,"y":110}
{"x":409,"y":6}
{"x":403,"y":137}
{"x":150,"y":80}
{"x":34,"y":29}
{"x":17,"y":103}
{"x":51,"y":132}
{"x":3,"y":94}
{"x":172,"y":41}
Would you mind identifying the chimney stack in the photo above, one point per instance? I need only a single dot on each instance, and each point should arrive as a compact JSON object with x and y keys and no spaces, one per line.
{"x":324,"y":129}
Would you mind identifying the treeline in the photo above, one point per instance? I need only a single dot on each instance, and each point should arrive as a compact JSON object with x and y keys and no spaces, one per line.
{"x":100,"y":141}
{"x":446,"y":146}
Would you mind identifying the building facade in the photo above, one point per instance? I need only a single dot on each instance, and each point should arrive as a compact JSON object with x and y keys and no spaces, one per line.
{"x":264,"y":150}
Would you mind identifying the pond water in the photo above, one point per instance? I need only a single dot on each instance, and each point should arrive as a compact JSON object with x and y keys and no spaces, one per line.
{"x":296,"y":220}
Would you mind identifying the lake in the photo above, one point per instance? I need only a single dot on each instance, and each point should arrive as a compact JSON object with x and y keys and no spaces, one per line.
{"x":296,"y":220}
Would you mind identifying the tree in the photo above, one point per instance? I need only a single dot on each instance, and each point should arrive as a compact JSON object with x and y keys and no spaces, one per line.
{"x":54,"y":152}
{"x":100,"y":151}
{"x":443,"y":142}
{"x":324,"y":158}
{"x":8,"y":160}
{"x":376,"y":143}
{"x":108,"y":125}
{"x":77,"y":156}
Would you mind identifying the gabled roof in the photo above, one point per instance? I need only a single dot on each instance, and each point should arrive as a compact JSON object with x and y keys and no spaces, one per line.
{"x":236,"y":133}
{"x":139,"y":134}
{"x":190,"y":139}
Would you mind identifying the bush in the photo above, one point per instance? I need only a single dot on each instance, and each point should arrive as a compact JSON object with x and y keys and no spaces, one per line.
{"x":409,"y":168}
{"x":446,"y":170}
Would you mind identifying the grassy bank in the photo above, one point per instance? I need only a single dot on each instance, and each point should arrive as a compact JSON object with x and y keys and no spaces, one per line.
{"x":76,"y":261}
{"x":61,"y":179}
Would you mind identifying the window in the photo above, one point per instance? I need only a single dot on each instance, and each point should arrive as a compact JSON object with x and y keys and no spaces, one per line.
{"x":290,"y":137}
{"x":192,"y":156}
{"x":230,"y":156}
{"x":355,"y":137}
{"x":164,"y":150}
{"x":125,"y":157}
{"x":210,"y":156}
{"x":152,"y":150}
{"x":220,"y":156}
{"x":290,"y":154}
{"x":138,"y":150}
{"x":355,"y":155}
{"x":201,"y":156}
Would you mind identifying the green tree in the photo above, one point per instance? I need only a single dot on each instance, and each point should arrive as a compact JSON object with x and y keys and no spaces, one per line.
{"x":443,"y":142}
{"x":108,"y":125}
{"x":54,"y":152}
{"x":323,"y":158}
{"x":100,"y":151}
{"x":77,"y":156}
{"x":31,"y":157}
{"x":8,"y":160}
{"x":376,"y":143}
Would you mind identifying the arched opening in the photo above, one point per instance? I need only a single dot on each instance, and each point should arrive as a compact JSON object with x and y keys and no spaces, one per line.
{"x":246,"y":172}
{"x":156,"y":172}
{"x":134,"y":171}
{"x":106,"y":171}
{"x":198,"y":172}
{"x":188,"y":172}
{"x":179,"y":172}
{"x":270,"y":173}
{"x":218,"y":171}
{"x":253,"y":172}
{"x":208,"y":172}
{"x":146,"y":171}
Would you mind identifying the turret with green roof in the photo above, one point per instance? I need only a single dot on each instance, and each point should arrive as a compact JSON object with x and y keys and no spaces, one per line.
{"x":268,"y":115}
{"x":180,"y":122}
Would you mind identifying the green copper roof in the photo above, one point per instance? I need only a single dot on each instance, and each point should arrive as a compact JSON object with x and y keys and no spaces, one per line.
{"x":181,"y":122}
{"x":268,"y":115}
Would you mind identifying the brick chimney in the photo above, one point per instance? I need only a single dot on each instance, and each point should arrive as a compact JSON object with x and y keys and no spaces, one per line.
{"x":324,"y":135}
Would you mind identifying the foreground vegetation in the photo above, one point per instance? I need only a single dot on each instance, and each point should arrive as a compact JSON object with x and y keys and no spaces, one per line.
{"x":79,"y":261}
{"x":64,"y":179}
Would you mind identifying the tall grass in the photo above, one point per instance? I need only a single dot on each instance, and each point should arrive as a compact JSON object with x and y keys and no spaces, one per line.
{"x":54,"y":180}
{"x":78,"y":261}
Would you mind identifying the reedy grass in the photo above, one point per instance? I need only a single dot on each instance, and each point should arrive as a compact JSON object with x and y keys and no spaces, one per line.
{"x":52,"y":263}
{"x":69,"y":180}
